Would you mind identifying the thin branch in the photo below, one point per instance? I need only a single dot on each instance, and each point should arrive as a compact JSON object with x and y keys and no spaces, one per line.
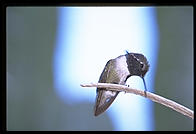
{"x":156,"y":98}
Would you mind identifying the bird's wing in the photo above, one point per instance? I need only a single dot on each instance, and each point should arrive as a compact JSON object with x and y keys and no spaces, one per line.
{"x":104,"y":97}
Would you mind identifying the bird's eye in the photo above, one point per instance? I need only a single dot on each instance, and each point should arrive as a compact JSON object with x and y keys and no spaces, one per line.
{"x":142,"y":65}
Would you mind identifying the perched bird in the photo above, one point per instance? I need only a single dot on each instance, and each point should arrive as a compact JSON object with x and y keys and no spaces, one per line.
{"x":117,"y":71}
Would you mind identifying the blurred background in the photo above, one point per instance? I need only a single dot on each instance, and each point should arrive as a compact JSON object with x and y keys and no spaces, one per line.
{"x":52,"y":50}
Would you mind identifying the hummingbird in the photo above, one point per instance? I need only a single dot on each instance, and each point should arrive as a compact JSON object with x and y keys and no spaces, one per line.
{"x":117,"y":71}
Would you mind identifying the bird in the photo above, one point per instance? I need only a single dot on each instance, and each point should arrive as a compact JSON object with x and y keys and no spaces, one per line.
{"x":117,"y":71}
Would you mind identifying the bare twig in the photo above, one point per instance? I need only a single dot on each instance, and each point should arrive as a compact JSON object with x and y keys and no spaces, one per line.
{"x":156,"y":98}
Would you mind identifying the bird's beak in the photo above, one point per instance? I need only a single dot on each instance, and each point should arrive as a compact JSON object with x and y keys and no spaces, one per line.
{"x":144,"y":83}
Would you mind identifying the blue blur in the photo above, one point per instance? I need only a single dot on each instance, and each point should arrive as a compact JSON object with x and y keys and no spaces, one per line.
{"x":87,"y":38}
